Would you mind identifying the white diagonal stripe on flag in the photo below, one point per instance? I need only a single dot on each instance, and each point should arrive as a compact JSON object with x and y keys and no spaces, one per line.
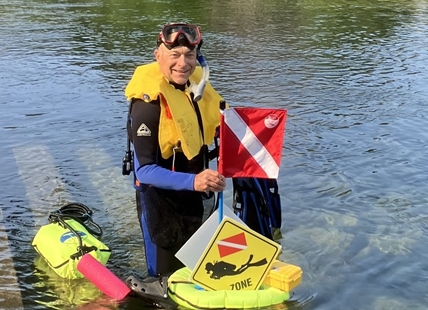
{"x":232,"y":245}
{"x":251,"y":143}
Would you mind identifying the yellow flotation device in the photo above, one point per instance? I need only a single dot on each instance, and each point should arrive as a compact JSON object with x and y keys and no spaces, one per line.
{"x":189,"y":295}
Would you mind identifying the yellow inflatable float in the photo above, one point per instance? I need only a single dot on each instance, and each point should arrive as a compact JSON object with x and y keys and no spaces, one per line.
{"x":281,"y":279}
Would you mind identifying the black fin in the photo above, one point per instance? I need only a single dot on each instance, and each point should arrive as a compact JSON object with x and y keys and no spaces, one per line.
{"x":258,"y":204}
{"x":153,"y":290}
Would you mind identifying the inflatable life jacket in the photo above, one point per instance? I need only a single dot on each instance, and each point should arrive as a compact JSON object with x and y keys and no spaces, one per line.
{"x":180,"y":116}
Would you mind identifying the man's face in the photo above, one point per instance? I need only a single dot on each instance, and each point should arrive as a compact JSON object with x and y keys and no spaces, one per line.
{"x":176,"y":64}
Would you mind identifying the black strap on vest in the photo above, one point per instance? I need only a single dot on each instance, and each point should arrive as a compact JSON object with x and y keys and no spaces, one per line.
{"x":128,"y":159}
{"x":201,"y":128}
{"x":215,"y":152}
{"x":199,"y":116}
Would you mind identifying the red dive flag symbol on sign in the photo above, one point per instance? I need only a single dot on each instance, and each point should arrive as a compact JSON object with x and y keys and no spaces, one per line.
{"x":232,"y":244}
{"x":251,"y":142}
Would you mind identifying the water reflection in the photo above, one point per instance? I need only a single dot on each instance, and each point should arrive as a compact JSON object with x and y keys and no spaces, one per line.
{"x":351,"y":75}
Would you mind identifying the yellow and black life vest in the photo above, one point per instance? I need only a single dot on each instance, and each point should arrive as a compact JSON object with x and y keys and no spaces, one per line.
{"x":178,"y":120}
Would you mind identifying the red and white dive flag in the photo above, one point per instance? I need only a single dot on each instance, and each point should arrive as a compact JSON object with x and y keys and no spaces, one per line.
{"x":251,"y":142}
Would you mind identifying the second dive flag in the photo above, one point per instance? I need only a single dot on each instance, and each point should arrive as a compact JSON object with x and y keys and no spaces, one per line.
{"x":232,"y":244}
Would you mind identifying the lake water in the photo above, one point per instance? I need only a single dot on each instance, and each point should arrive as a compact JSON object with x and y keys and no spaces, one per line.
{"x":353,"y":179}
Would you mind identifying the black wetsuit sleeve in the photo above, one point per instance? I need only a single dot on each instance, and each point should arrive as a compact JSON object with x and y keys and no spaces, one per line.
{"x":145,"y":127}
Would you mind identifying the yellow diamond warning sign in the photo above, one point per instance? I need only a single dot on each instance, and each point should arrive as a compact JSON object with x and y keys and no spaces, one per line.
{"x":237,"y":258}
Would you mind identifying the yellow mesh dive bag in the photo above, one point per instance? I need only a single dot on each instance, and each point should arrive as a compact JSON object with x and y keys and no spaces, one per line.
{"x":63,"y":242}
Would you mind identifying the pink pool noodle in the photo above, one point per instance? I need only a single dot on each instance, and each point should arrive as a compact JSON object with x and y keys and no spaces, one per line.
{"x":102,"y":278}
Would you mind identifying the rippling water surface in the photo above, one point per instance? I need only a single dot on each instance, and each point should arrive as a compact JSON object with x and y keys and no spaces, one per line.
{"x":352,"y":75}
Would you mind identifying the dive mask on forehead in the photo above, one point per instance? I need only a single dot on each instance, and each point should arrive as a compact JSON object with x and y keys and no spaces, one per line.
{"x":173,"y":35}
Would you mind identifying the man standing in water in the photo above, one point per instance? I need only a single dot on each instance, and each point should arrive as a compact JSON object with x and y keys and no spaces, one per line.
{"x":170,"y":131}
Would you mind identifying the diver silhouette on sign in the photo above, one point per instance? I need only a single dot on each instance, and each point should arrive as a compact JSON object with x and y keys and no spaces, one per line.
{"x":220,"y":268}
